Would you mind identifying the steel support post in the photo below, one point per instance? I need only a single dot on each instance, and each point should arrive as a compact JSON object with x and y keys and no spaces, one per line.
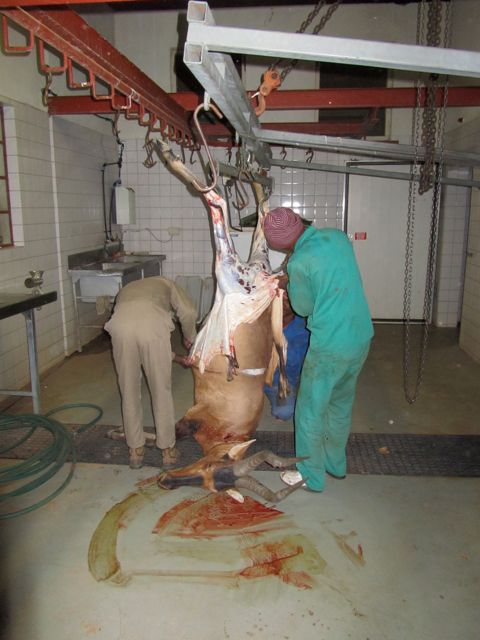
{"x":32,"y":358}
{"x":218,"y":76}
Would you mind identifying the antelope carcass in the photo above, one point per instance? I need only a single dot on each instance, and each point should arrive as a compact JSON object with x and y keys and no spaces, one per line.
{"x":241,"y":342}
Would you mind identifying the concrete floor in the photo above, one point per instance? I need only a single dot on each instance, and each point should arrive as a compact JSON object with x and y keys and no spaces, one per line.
{"x":449,"y":399}
{"x":391,"y":557}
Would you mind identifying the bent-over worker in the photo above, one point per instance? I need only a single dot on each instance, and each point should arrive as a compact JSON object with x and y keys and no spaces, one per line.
{"x":140,"y":329}
{"x":325,"y":286}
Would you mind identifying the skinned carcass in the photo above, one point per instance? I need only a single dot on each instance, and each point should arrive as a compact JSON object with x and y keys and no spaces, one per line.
{"x":241,"y":342}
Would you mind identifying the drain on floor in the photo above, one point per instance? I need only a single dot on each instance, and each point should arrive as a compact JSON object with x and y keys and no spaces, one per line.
{"x":367,"y":453}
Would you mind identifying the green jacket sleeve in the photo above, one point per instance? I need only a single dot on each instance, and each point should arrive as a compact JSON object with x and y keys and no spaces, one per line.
{"x":301,"y":290}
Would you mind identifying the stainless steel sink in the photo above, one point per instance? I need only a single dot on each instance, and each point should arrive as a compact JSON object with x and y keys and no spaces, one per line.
{"x":99,"y":275}
{"x":131,"y":258}
{"x":120,"y":265}
{"x":95,"y":274}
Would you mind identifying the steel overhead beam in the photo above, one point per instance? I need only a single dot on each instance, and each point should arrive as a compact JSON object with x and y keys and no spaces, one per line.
{"x":365,"y":171}
{"x":218,"y":76}
{"x":279,"y":44}
{"x":361,"y":147}
{"x":77,"y":41}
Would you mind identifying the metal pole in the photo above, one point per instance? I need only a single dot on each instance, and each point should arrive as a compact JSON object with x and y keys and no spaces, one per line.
{"x":365,"y":171}
{"x":77,"y":316}
{"x":32,"y":358}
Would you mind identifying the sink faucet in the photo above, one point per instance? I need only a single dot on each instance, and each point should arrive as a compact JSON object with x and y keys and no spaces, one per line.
{"x":35,"y":281}
{"x":112,"y":248}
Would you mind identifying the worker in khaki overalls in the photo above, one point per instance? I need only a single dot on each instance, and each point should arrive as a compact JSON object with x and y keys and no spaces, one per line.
{"x":140,"y":329}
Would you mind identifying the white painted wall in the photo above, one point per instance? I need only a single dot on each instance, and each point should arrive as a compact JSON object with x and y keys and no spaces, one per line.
{"x":55,"y":188}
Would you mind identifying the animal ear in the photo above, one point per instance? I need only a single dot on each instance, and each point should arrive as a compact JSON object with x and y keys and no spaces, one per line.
{"x":237,"y":451}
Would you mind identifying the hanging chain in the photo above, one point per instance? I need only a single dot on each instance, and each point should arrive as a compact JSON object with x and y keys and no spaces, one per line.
{"x":433,"y":173}
{"x":429,"y":121}
{"x":305,"y":24}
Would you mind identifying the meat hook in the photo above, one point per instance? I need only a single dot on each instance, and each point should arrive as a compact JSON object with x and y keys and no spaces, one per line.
{"x":241,"y":193}
{"x":213,"y":168}
{"x":149,"y":162}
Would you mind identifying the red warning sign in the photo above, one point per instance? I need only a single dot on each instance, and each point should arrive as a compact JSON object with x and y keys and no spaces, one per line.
{"x":360,"y":235}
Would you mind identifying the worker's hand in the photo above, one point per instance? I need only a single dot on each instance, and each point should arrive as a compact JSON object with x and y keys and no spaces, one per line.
{"x":183,"y":360}
{"x":187,"y":344}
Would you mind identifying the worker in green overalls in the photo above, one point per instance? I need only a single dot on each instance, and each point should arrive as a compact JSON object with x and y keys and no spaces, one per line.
{"x":325,"y":286}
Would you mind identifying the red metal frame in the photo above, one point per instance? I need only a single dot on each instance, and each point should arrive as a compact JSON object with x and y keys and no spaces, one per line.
{"x":298,"y":99}
{"x":78,"y":105}
{"x":75,"y":41}
{"x":295,"y":99}
{"x":134,"y":94}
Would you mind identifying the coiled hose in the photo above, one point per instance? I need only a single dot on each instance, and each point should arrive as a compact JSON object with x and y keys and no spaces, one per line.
{"x":31,"y":473}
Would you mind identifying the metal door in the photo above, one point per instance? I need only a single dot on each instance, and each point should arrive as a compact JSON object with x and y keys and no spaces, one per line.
{"x":376,"y":222}
{"x":469,"y":333}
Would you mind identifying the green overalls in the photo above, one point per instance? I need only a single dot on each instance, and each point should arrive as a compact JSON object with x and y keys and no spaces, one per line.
{"x":325,"y":286}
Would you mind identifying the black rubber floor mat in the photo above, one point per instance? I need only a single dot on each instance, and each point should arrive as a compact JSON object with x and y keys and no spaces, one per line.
{"x":377,"y":454}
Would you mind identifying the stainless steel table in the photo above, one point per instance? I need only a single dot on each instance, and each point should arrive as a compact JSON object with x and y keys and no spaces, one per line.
{"x":12,"y":303}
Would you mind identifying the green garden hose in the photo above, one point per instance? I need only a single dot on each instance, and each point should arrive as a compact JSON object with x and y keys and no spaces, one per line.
{"x":27,"y":475}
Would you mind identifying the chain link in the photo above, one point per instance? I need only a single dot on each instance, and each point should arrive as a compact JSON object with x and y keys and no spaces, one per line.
{"x":436,"y":171}
{"x":303,"y":27}
{"x":429,"y":121}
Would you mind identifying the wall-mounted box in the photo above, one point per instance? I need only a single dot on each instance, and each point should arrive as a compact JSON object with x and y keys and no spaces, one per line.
{"x":123,"y":205}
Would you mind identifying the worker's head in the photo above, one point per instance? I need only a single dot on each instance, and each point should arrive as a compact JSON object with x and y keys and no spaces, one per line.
{"x":282,"y":228}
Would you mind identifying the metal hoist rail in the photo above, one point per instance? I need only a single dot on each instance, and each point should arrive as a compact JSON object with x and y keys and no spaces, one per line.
{"x":91,"y":63}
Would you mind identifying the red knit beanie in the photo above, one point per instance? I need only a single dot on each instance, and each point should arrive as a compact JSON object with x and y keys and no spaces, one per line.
{"x":282,"y":228}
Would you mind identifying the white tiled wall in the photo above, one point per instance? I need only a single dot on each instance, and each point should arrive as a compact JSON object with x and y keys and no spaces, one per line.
{"x":162,"y":201}
{"x":316,"y":195}
{"x":57,"y":206}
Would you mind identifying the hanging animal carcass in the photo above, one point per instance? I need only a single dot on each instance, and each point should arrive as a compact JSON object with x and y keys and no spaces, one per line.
{"x":240,"y":344}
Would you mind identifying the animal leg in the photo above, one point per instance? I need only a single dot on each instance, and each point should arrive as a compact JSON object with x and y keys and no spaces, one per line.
{"x":242,"y":467}
{"x":280,"y":342}
{"x":247,"y":482}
